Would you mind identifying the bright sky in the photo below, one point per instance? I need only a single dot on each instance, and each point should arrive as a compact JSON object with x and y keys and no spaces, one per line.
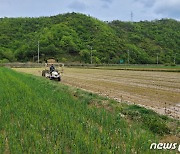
{"x":106,"y":10}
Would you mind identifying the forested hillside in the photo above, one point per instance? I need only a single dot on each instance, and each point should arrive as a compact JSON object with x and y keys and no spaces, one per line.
{"x":72,"y":37}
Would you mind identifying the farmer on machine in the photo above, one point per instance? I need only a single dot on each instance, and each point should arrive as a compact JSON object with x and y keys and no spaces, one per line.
{"x":52,"y":68}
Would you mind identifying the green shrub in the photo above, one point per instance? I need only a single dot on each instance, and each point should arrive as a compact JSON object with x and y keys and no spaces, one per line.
{"x":4,"y":61}
{"x":172,"y":64}
{"x":156,"y":125}
{"x":149,"y":119}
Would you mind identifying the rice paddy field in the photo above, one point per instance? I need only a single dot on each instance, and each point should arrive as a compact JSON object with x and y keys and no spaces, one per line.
{"x":154,"y":88}
{"x":42,"y":116}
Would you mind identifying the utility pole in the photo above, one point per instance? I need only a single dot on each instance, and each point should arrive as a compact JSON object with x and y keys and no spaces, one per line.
{"x":38,"y":51}
{"x":131,"y":16}
{"x":91,"y":54}
{"x":128,"y":56}
{"x":175,"y":58}
{"x":157,"y":59}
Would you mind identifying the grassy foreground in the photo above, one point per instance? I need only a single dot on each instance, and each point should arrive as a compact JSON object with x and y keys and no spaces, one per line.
{"x":41,"y":116}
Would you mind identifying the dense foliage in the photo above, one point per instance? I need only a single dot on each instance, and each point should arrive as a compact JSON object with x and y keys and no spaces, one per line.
{"x":75,"y":37}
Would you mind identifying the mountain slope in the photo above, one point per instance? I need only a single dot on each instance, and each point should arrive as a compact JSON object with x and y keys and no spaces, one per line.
{"x":70,"y":37}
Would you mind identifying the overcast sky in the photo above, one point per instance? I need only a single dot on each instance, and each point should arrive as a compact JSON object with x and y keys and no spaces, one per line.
{"x":106,"y":10}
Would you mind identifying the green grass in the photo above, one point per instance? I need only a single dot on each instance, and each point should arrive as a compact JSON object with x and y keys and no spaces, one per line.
{"x":42,"y":116}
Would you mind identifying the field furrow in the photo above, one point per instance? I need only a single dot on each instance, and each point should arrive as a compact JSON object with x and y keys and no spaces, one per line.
{"x":152,"y":89}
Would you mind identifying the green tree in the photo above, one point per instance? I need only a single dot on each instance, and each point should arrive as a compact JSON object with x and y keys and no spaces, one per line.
{"x":7,"y":54}
{"x":68,"y":44}
{"x":85,"y":55}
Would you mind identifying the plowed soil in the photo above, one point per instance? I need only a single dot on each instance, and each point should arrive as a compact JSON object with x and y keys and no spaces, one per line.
{"x":150,"y":89}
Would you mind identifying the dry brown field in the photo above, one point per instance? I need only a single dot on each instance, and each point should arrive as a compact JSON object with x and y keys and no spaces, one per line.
{"x":147,"y":88}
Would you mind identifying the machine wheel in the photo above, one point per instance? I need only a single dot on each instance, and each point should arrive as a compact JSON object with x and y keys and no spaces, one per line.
{"x":43,"y":72}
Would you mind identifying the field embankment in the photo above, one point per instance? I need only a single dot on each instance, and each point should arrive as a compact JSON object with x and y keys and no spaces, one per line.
{"x":41,"y":116}
{"x":152,"y":68}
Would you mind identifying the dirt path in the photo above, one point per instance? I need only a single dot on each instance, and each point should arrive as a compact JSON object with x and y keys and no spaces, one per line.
{"x":150,"y":89}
